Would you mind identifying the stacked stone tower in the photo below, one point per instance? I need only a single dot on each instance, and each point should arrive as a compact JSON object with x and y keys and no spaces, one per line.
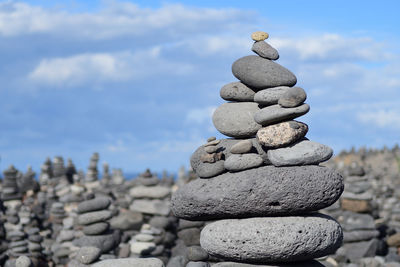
{"x":264,"y":185}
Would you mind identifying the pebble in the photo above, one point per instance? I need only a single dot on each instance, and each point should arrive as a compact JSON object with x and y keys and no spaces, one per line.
{"x":96,"y":228}
{"x":150,"y":191}
{"x":197,"y":264}
{"x":293,"y":97}
{"x":190,"y":236}
{"x":255,"y":239}
{"x":276,"y":113}
{"x":150,"y":262}
{"x":304,"y":152}
{"x":393,"y":240}
{"x":95,"y":204}
{"x":23,"y":261}
{"x":212,"y":143}
{"x":281,"y":134}
{"x":259,"y":36}
{"x":240,"y":162}
{"x":197,"y":253}
{"x":94,"y":217}
{"x":142,"y":248}
{"x":359,"y":235}
{"x":270,"y":96}
{"x":88,"y":255}
{"x":210,"y":149}
{"x":208,"y":170}
{"x":260,"y":73}
{"x":104,"y":242}
{"x":237,"y":91}
{"x":127,"y":220}
{"x":212,"y":138}
{"x":155,"y":206}
{"x":242,"y":147}
{"x":264,"y":50}
{"x":285,"y":191}
{"x":236,"y":119}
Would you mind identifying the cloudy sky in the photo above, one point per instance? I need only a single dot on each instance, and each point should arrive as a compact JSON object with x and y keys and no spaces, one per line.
{"x":137,"y":81}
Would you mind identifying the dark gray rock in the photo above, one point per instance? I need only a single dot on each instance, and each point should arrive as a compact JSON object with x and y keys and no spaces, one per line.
{"x":260,"y":73}
{"x":127,"y":220}
{"x":104,"y":242}
{"x":358,"y":250}
{"x":304,"y":152}
{"x":265,"y":191}
{"x":184,"y":224}
{"x":190,"y":236}
{"x":96,"y":228}
{"x":160,"y":222}
{"x":94,"y":217}
{"x":359,"y":235}
{"x":197,"y":253}
{"x":129,"y":262}
{"x":255,"y":239}
{"x":88,"y":255}
{"x":240,"y":162}
{"x":99,"y":203}
{"x":293,"y":97}
{"x":208,"y":170}
{"x":275,"y":113}
{"x":237,"y":119}
{"x":263,"y":49}
{"x":237,"y":91}
{"x":300,"y":264}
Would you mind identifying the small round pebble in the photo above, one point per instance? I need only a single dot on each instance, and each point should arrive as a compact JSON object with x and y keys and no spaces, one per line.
{"x":212,"y":143}
{"x":259,"y":36}
{"x":293,"y":97}
{"x":242,"y":147}
{"x":88,"y":255}
{"x":23,"y":261}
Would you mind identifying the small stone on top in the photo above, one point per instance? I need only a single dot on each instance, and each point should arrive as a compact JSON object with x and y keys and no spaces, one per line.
{"x":259,"y":36}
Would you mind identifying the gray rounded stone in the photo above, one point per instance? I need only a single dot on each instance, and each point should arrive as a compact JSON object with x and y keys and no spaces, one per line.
{"x":240,"y":162}
{"x":127,"y":220}
{"x":154,"y":206}
{"x":150,"y":191}
{"x":293,"y":97}
{"x":260,"y":73}
{"x":88,"y":255}
{"x":264,"y":191}
{"x":237,"y":91}
{"x":208,"y":170}
{"x":197,"y":264}
{"x":94,"y":217}
{"x":281,"y":134}
{"x":236,"y":119}
{"x":304,"y":152}
{"x":197,"y":253}
{"x":23,"y":261}
{"x":99,"y":203}
{"x":312,"y":263}
{"x":272,"y":239}
{"x":275,"y":113}
{"x":104,"y":242}
{"x":96,"y":228}
{"x":129,"y":262}
{"x":243,"y":146}
{"x":263,"y":49}
{"x":270,"y":96}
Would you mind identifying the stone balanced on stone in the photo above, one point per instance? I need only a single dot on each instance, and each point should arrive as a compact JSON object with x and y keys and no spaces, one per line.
{"x":265,"y":184}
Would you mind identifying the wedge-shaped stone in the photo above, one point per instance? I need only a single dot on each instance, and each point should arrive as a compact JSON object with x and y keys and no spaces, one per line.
{"x":264,"y":191}
{"x":272,"y":239}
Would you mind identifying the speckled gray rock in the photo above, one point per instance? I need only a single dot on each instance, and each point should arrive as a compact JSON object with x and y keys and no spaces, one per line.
{"x":23,"y":261}
{"x":260,"y":73}
{"x":281,"y":134}
{"x":208,"y":170}
{"x":256,"y":239}
{"x":94,"y":217}
{"x":236,"y":119}
{"x":293,"y":97}
{"x":99,"y":203}
{"x":276,"y":113}
{"x":129,"y":262}
{"x":263,"y":49}
{"x":270,"y":96}
{"x":237,"y":91}
{"x":87,"y":255}
{"x":264,"y":191}
{"x":155,"y":206}
{"x":304,"y":152}
{"x":241,"y":147}
{"x":240,"y":162}
{"x":300,"y":264}
{"x":96,"y":228}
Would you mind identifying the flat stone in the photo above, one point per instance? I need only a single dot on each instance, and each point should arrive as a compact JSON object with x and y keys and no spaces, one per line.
{"x":255,"y":240}
{"x":259,"y":36}
{"x":156,"y":207}
{"x":263,"y":49}
{"x":99,"y":203}
{"x":96,"y":228}
{"x":129,"y":262}
{"x":304,"y":152}
{"x":240,"y":162}
{"x":184,"y":224}
{"x":312,"y":263}
{"x":281,"y":134}
{"x":236,"y":119}
{"x":351,"y":221}
{"x":212,"y":138}
{"x":127,"y":220}
{"x":142,"y":248}
{"x":94,"y":217}
{"x":150,"y":192}
{"x":208,"y":170}
{"x":361,"y":206}
{"x":190,"y":236}
{"x":143,"y":237}
{"x":270,"y":96}
{"x":212,"y":142}
{"x":242,"y":147}
{"x":275,"y":113}
{"x":359,"y":235}
{"x":261,"y":73}
{"x":197,"y":253}
{"x":88,"y":255}
{"x":293,"y":97}
{"x":104,"y":242}
{"x":210,"y":149}
{"x":237,"y":91}
{"x":197,"y":264}
{"x":358,"y":250}
{"x":264,"y":191}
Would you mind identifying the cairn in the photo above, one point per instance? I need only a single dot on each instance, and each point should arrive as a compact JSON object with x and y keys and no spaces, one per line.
{"x":264,"y":185}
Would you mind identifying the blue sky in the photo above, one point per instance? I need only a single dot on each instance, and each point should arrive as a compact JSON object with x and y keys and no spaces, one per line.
{"x":137,"y":81}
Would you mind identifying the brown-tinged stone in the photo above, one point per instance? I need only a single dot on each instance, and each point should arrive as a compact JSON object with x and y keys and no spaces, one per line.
{"x":212,"y":143}
{"x":243,"y":146}
{"x":212,"y":138}
{"x":394,"y":240}
{"x":356,"y":205}
{"x":281,"y":134}
{"x":210,"y":149}
{"x":211,"y":158}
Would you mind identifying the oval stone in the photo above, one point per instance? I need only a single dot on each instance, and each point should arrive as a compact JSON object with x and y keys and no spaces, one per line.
{"x":240,"y":162}
{"x":263,"y":49}
{"x":312,"y":263}
{"x":260,"y":73}
{"x":293,"y":97}
{"x":304,"y":152}
{"x":272,"y":239}
{"x":264,"y":191}
{"x":281,"y":134}
{"x":276,"y":113}
{"x":270,"y":96}
{"x":237,"y":91}
{"x":99,"y":203}
{"x":236,"y":119}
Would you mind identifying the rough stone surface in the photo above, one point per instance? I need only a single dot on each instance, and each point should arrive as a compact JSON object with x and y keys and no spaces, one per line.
{"x":304,"y":152}
{"x":281,"y":134}
{"x":293,"y":97}
{"x":208,"y":170}
{"x":240,"y":162}
{"x":270,"y":96}
{"x":257,"y":239}
{"x":237,"y":91}
{"x":129,"y":262}
{"x":94,"y":216}
{"x":87,"y":255}
{"x":276,"y":113}
{"x":261,"y":73}
{"x":23,"y":261}
{"x":156,"y":206}
{"x":99,"y":203}
{"x":263,"y":49}
{"x":264,"y":191}
{"x":243,"y":146}
{"x":236,"y":119}
{"x":259,"y":36}
{"x":150,"y":191}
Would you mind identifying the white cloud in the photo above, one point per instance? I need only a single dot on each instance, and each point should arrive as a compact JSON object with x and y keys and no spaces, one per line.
{"x":200,"y":115}
{"x":381,"y":118}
